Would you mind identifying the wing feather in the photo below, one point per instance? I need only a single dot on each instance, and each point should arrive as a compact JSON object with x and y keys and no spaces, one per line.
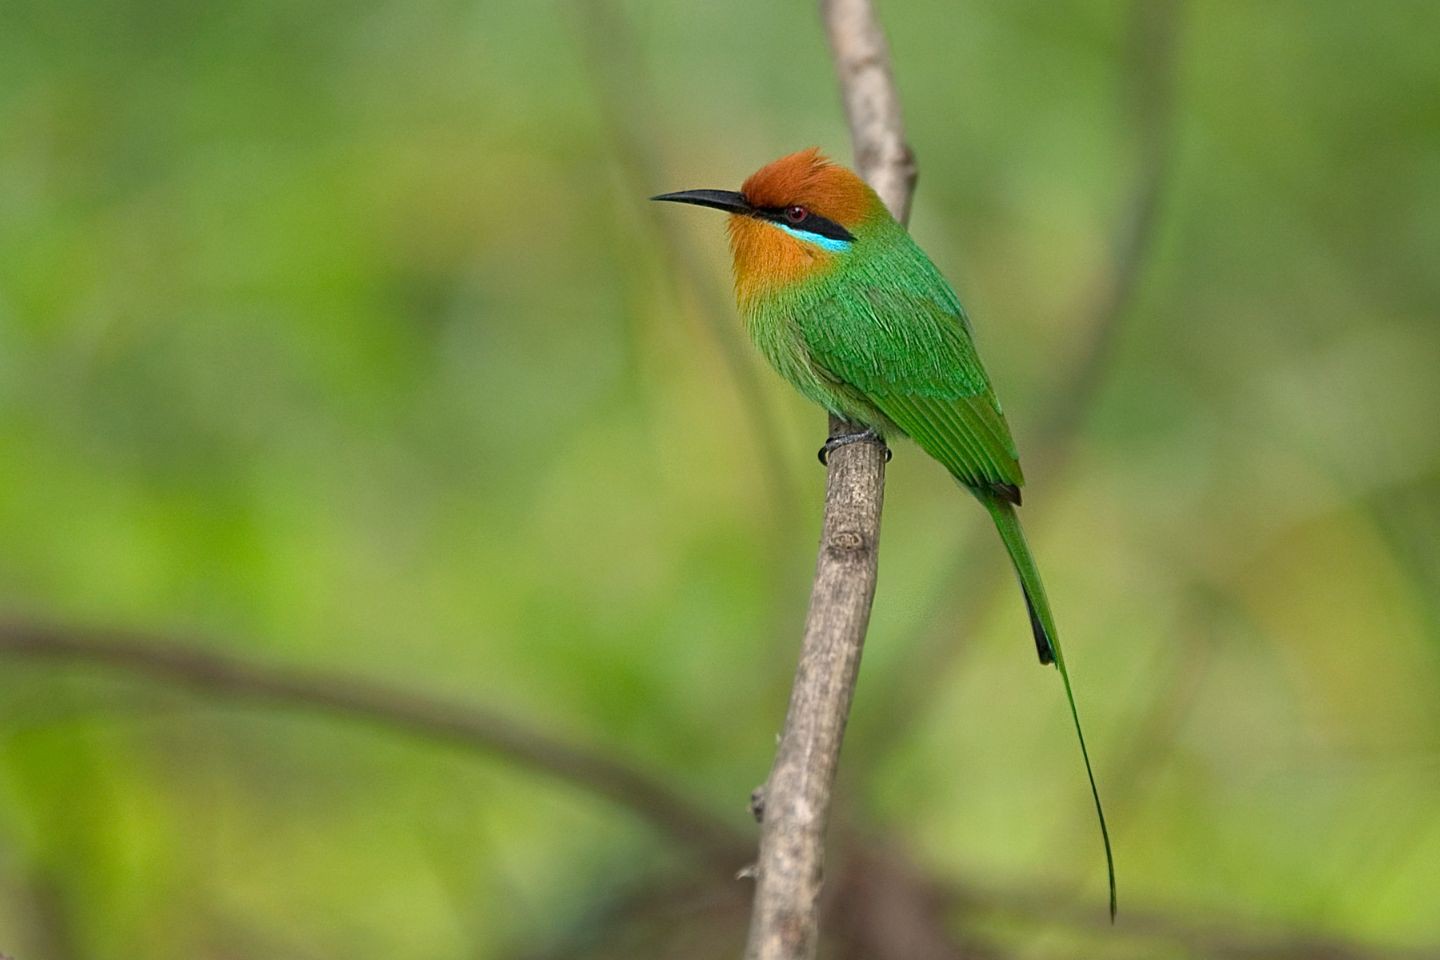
{"x":905,"y":344}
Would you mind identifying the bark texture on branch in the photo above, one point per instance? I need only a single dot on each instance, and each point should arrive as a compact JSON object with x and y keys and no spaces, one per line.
{"x":796,"y":800}
{"x":872,"y":101}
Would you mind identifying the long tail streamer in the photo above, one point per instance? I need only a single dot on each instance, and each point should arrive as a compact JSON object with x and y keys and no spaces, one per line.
{"x":1047,"y":642}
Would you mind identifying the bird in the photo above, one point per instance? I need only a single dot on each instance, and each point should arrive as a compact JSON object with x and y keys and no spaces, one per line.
{"x":845,"y":305}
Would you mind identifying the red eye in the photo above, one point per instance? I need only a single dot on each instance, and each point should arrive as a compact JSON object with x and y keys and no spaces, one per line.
{"x":796,"y":214}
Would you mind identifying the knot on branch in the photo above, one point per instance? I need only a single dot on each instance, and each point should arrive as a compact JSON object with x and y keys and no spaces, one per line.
{"x":795,"y":933}
{"x":904,"y":163}
{"x":849,"y":545}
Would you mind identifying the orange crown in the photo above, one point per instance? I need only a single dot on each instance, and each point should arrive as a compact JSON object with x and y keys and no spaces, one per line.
{"x":813,"y":181}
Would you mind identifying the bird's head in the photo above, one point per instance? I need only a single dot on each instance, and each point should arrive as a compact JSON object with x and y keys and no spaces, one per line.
{"x":792,"y":219}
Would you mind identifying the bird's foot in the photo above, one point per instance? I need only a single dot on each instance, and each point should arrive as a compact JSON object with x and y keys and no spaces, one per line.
{"x":835,"y":443}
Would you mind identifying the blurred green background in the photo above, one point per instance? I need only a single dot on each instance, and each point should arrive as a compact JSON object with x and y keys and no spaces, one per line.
{"x":340,"y":338}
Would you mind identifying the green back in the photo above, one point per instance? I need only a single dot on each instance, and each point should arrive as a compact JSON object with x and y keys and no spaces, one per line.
{"x":885,"y":324}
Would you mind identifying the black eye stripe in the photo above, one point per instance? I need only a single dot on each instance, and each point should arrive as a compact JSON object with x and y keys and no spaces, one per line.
{"x":813,"y":223}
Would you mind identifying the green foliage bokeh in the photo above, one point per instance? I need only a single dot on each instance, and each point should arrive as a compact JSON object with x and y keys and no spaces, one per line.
{"x":341,"y":336}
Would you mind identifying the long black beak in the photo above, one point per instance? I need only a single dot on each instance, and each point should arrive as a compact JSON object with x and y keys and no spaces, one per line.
{"x":719,"y":199}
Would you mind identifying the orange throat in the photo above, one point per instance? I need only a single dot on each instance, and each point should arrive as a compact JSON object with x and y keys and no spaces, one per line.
{"x":767,"y":259}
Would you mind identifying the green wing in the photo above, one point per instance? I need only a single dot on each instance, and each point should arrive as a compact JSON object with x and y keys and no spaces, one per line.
{"x":892,"y":330}
{"x":901,"y":339}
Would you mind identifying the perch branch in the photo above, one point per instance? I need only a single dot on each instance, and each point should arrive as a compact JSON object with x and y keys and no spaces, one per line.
{"x":795,"y":801}
{"x":468,"y":727}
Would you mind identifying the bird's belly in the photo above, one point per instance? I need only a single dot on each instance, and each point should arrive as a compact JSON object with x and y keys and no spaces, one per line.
{"x":779,"y":339}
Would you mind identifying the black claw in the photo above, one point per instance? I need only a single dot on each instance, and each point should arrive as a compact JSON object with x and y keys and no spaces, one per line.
{"x":834,"y":443}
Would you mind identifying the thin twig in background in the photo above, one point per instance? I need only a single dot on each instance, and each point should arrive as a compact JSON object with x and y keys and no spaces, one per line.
{"x":1154,"y":41}
{"x":627,"y":94}
{"x":468,"y":727}
{"x":629,"y":104}
{"x":1180,"y":666}
{"x":795,"y":800}
{"x":1153,"y":60}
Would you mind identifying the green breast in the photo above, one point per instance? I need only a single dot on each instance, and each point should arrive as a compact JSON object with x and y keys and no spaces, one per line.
{"x":779,"y":323}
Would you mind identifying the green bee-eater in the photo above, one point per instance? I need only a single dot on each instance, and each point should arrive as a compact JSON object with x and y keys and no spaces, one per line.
{"x":849,"y":309}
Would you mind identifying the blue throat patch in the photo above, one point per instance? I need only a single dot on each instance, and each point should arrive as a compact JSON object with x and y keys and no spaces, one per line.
{"x":823,"y":242}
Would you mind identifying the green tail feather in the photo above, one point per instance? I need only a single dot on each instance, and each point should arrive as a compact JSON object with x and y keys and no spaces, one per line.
{"x":1047,"y":642}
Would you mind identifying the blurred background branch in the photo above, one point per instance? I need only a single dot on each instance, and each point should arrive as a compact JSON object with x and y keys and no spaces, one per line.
{"x":465,"y":726}
{"x":880,"y":904}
